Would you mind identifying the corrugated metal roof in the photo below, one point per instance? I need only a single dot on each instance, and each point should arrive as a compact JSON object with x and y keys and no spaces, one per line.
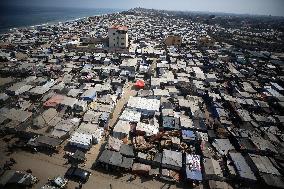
{"x":241,"y":166}
{"x":263,"y":164}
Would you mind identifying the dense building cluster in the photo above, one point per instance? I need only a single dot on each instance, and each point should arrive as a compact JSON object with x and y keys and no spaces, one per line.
{"x":161,"y":95}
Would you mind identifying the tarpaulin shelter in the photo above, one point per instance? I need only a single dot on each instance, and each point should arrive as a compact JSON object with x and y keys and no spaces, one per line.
{"x":140,"y":84}
{"x":54,"y":100}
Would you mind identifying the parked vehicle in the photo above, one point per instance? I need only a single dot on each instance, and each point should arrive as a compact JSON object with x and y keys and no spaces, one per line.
{"x":78,"y":174}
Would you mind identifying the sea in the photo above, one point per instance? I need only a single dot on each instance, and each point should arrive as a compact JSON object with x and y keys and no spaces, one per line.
{"x":24,"y":16}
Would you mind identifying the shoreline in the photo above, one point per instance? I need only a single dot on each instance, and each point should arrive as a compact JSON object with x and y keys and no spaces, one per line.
{"x":57,"y":21}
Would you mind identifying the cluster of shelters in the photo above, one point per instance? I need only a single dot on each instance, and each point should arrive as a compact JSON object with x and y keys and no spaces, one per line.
{"x":205,"y":111}
{"x":53,"y":92}
{"x":202,"y":114}
{"x":16,"y":179}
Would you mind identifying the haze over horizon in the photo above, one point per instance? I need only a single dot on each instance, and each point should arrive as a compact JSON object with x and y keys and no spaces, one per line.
{"x":256,"y":7}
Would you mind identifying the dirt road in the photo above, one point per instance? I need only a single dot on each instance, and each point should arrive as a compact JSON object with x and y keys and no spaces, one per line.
{"x":127,"y":92}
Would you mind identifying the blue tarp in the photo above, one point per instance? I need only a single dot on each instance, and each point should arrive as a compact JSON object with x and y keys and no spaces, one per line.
{"x":188,"y":135}
{"x":193,"y":167}
{"x":89,"y":95}
{"x":168,"y":122}
{"x":193,"y":174}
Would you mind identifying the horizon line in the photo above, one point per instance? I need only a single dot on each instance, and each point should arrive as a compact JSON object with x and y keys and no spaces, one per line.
{"x":158,"y":9}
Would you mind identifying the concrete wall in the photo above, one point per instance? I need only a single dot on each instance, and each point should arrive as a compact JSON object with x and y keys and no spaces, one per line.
{"x":117,"y":38}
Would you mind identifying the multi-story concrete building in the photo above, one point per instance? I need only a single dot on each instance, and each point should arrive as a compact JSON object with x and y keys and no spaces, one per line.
{"x":118,"y":37}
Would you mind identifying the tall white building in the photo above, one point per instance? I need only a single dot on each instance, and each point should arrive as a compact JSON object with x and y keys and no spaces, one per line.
{"x":118,"y":37}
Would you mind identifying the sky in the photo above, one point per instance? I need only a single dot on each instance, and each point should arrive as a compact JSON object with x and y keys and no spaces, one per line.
{"x":260,"y":7}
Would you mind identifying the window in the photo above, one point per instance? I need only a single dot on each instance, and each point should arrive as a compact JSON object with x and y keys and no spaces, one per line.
{"x":122,"y":43}
{"x":113,"y":33}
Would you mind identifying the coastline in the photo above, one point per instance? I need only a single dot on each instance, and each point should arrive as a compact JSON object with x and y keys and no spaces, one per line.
{"x":58,"y":20}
